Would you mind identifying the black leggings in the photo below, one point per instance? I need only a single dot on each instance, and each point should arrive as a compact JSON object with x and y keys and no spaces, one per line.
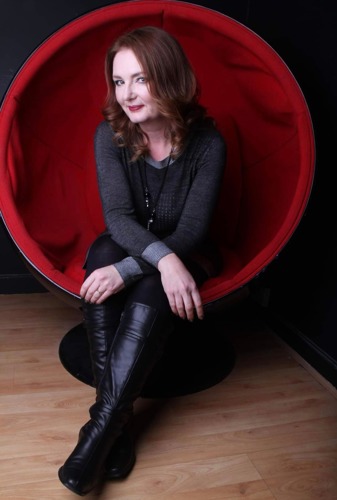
{"x":147,"y":290}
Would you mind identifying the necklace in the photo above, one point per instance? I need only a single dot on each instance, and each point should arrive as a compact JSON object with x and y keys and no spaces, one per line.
{"x":151,"y":208}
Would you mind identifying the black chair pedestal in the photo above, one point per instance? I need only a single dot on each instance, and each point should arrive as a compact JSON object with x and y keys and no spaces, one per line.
{"x":197,"y":356}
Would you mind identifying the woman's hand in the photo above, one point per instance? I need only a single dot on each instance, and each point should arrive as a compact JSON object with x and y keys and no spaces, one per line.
{"x":180,"y":288}
{"x":101,"y":284}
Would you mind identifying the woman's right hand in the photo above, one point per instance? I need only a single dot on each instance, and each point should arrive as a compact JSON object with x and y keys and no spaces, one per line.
{"x":180,"y":288}
{"x":101,"y":283}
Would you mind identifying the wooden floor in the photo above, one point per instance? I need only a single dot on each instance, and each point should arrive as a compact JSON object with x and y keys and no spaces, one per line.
{"x":268,"y":431}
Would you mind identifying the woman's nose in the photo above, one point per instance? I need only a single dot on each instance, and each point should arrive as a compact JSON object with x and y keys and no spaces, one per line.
{"x":129,"y":91}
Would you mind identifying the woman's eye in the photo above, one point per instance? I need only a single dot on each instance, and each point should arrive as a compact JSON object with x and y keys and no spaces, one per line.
{"x":118,"y":83}
{"x":141,"y":79}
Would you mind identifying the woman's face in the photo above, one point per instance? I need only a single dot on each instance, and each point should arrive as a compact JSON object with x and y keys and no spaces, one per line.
{"x":132,"y":90}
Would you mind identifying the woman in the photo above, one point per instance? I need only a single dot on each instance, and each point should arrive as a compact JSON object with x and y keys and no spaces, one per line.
{"x":159,"y":161}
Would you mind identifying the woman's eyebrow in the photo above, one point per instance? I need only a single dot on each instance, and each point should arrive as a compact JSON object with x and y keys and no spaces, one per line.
{"x":132,"y":76}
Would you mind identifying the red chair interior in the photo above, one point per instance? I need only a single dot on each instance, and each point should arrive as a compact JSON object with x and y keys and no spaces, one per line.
{"x":48,"y":193}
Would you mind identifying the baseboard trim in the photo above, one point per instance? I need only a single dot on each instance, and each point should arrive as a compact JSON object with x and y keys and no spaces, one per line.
{"x":320,"y":360}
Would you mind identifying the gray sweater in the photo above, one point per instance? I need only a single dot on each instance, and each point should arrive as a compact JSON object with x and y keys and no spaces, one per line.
{"x":184,"y":208}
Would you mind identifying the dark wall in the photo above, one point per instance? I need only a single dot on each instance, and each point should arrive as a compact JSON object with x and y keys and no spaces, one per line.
{"x":303,"y":280}
{"x":301,"y":283}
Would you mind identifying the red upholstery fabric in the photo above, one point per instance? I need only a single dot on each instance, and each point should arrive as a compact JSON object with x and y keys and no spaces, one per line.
{"x":48,"y":192}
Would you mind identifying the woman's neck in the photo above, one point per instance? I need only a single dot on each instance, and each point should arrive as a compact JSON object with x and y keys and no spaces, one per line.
{"x":160,"y":150}
{"x":159,"y":144}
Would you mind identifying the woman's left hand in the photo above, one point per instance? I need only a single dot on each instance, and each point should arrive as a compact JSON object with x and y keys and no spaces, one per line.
{"x":101,"y":283}
{"x":181,"y":290}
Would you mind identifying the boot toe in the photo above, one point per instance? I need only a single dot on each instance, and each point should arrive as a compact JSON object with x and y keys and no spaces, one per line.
{"x":71,"y":482}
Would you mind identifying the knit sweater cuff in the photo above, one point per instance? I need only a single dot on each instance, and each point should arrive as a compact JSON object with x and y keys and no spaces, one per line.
{"x":154,"y":252}
{"x":129,"y":270}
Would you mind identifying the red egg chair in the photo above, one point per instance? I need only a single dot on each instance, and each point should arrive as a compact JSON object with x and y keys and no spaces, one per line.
{"x":48,"y":194}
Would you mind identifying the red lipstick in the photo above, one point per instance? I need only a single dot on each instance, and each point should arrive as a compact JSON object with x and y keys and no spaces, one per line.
{"x":135,"y":108}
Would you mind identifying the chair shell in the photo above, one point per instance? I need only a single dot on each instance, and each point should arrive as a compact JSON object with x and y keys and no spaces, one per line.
{"x":49,"y":199}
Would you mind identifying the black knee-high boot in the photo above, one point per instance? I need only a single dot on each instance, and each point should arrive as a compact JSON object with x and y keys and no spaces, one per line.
{"x":101,"y":322}
{"x":137,"y":345}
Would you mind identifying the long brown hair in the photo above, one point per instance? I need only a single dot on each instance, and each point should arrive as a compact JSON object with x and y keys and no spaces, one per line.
{"x":172,"y":84}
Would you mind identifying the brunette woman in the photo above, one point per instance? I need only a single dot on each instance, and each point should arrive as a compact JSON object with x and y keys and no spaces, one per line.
{"x":159,"y":162}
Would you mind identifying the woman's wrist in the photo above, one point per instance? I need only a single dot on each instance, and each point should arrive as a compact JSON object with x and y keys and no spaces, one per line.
{"x":167,"y":262}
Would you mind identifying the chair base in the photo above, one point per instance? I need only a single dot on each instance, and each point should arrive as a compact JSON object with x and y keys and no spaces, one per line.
{"x":197,"y":356}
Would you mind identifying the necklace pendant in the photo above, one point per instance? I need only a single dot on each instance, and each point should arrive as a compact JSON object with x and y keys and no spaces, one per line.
{"x":149,"y":222}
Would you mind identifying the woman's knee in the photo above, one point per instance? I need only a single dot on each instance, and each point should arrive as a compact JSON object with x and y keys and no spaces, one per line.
{"x":103,"y":252}
{"x":149,"y":290}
